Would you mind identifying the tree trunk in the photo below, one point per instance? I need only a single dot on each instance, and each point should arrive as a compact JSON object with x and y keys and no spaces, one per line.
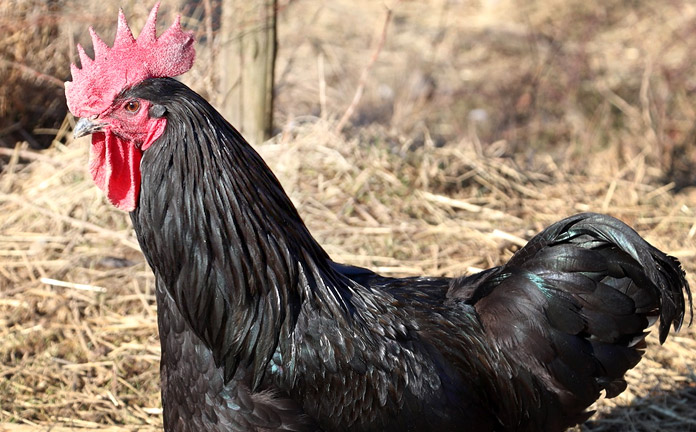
{"x":247,"y":64}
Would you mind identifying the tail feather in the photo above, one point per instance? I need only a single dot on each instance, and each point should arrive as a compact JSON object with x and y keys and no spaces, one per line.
{"x":663,"y":271}
{"x":572,"y":307}
{"x":571,"y":243}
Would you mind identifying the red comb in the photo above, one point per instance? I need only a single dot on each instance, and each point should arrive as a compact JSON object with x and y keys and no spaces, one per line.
{"x":127,"y":63}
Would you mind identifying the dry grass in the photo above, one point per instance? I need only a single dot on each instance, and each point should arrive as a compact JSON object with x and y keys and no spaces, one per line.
{"x":480,"y":124}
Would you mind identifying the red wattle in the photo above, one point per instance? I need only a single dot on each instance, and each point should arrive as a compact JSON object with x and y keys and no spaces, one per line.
{"x":115,"y":167}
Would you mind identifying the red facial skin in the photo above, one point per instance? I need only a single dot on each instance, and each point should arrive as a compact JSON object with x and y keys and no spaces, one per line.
{"x":126,"y":130}
{"x":131,"y":121}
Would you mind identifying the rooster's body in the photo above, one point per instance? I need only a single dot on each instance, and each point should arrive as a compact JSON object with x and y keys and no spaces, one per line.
{"x":261,"y":331}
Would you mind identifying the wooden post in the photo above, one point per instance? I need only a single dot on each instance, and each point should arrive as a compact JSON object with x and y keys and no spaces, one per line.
{"x":247,"y":65}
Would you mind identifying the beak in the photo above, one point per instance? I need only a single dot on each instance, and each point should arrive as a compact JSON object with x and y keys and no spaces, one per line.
{"x":86,"y":126}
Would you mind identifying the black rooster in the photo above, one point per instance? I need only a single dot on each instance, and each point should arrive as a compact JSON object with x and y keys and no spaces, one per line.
{"x":261,"y":331}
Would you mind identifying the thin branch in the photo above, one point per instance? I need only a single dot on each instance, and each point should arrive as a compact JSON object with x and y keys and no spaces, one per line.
{"x":77,"y":286}
{"x":33,"y":72}
{"x":365,"y":73}
{"x":24,"y":154}
{"x":208,"y":21}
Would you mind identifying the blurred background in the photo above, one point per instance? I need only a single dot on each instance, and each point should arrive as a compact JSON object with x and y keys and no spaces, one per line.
{"x":430,"y":136}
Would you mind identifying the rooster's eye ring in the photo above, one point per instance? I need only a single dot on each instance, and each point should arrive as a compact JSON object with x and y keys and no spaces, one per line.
{"x":132,"y":106}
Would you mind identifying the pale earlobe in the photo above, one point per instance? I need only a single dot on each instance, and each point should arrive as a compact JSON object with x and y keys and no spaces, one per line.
{"x":157,"y":111}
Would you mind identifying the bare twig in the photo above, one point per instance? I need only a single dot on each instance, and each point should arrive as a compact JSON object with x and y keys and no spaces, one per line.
{"x":322,"y":84}
{"x":517,"y":240}
{"x":209,"y":35}
{"x":33,"y":72}
{"x":24,"y":154}
{"x":64,"y":284}
{"x":365,"y":73}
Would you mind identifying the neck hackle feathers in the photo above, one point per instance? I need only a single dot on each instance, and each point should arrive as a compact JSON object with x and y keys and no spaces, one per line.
{"x":127,"y":63}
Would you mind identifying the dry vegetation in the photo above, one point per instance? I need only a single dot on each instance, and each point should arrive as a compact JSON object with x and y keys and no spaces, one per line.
{"x":482,"y":122}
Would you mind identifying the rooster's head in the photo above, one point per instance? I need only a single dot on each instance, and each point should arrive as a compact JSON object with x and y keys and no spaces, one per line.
{"x":121,"y":127}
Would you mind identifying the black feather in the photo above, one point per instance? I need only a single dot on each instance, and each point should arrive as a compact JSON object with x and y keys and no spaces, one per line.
{"x":260,"y":330}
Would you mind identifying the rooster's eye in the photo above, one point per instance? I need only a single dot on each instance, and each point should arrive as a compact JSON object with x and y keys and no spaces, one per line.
{"x":132,"y":106}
